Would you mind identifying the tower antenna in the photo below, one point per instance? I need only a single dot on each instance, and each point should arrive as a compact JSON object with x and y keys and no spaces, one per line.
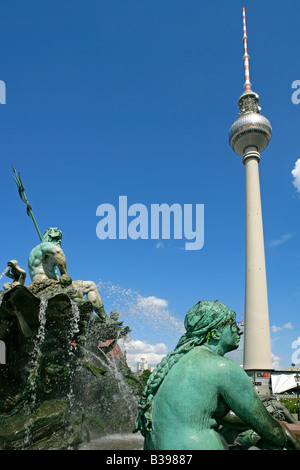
{"x":247,"y":84}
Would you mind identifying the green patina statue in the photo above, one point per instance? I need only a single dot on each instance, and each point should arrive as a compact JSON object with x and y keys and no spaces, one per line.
{"x":46,"y":257}
{"x":51,"y":382}
{"x":44,"y":260}
{"x":195,"y":389}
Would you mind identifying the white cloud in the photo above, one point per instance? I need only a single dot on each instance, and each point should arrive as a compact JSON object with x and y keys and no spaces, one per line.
{"x":136,"y":349}
{"x":152,"y":302}
{"x":153,"y":312}
{"x":159,"y":245}
{"x":275,"y":328}
{"x":275,"y":361}
{"x":140,"y":312}
{"x":288,"y":326}
{"x":296,"y":175}
{"x":149,"y":318}
{"x":279,"y":241}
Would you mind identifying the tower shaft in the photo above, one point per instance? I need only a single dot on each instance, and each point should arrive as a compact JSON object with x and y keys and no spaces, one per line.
{"x":257,"y":344}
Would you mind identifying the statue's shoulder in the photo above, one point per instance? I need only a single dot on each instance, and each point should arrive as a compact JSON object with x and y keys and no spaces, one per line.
{"x":44,"y":247}
{"x":34,"y":250}
{"x":213,"y":362}
{"x":230,"y":370}
{"x":48,"y":247}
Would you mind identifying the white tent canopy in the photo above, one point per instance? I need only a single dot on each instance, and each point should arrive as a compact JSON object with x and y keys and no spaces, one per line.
{"x":282,"y":383}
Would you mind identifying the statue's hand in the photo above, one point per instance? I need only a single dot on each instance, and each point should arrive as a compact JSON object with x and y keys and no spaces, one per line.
{"x":65,"y":280}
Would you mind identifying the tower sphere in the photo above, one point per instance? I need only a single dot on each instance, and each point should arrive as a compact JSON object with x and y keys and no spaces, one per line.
{"x":251,"y":128}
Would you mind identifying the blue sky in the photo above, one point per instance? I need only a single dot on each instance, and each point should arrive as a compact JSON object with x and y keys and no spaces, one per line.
{"x":136,"y":98}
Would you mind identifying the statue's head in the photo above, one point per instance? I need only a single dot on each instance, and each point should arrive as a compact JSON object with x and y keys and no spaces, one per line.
{"x":208,"y":317}
{"x":53,"y":235}
{"x":207,"y":314}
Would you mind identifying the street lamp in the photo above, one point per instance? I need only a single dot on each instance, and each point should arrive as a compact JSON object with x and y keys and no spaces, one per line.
{"x":297,"y":380}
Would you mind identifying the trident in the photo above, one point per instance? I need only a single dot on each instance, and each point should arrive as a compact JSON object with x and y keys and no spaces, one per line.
{"x":22,"y":195}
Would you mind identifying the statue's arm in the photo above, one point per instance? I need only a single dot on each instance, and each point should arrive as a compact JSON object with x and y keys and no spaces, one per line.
{"x":232,"y":421}
{"x":239,"y":395}
{"x":50,"y":249}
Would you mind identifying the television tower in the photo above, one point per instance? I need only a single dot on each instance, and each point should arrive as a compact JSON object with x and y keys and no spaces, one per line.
{"x":249,"y":135}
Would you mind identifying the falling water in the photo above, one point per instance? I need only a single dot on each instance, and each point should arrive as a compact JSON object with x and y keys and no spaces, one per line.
{"x":147,"y":315}
{"x":1,"y":275}
{"x":73,"y":330}
{"x":110,"y":364}
{"x":127,"y":400}
{"x":127,"y":441}
{"x":125,"y":396}
{"x":4,"y":272}
{"x":36,"y":354}
{"x":131,"y":401}
{"x":34,"y":370}
{"x":137,"y":308}
{"x":154,"y":327}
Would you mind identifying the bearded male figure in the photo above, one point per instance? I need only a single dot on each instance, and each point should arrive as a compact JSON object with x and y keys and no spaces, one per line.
{"x":46,"y":257}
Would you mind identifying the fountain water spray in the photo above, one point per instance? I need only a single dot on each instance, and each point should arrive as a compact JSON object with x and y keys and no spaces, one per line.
{"x":33,"y":375}
{"x":147,"y":311}
{"x":1,"y":275}
{"x":124,"y":391}
{"x":5,"y":271}
{"x":150,"y":317}
{"x":74,"y":329}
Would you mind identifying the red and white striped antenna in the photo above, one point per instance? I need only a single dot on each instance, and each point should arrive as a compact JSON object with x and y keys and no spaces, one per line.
{"x":247,"y":84}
